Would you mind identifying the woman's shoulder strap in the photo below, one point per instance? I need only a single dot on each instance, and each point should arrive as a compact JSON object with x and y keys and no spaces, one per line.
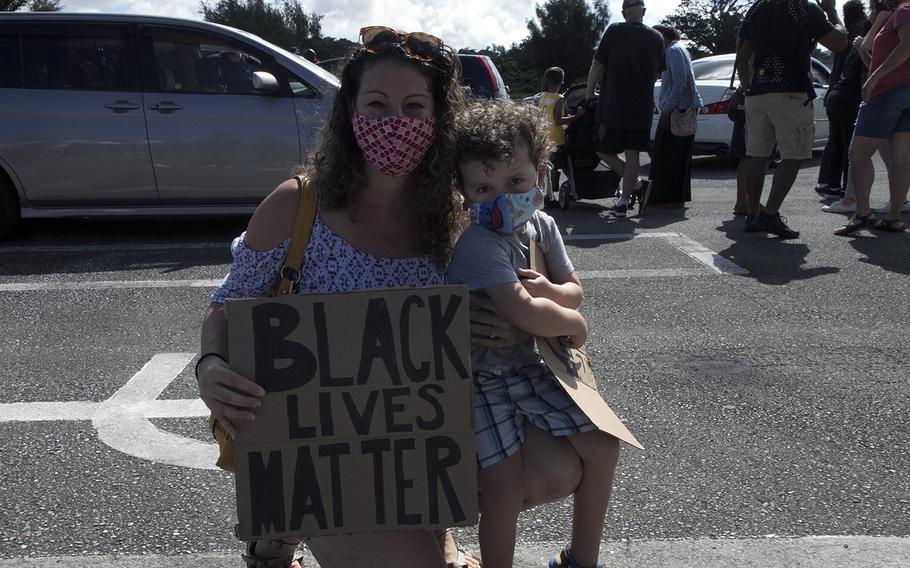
{"x":300,"y":237}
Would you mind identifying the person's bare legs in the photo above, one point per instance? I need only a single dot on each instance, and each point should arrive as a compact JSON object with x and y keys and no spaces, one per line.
{"x":628,"y":169}
{"x":550,"y":465}
{"x":781,"y":183}
{"x":742,"y":194}
{"x":390,"y":549}
{"x":501,"y":500}
{"x":451,"y":550}
{"x":551,"y":470}
{"x":754,"y":176}
{"x":630,"y":175}
{"x":275,"y":549}
{"x":862,"y":170}
{"x":599,"y":453}
{"x":617,"y":164}
{"x":899,"y":174}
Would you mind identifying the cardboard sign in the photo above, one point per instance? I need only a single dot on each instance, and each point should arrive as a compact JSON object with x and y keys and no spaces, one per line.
{"x":367,"y":424}
{"x":573,"y":370}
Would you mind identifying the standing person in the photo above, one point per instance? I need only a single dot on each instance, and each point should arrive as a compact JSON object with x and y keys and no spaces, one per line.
{"x":780,"y":34}
{"x":849,"y":87}
{"x":557,"y":114}
{"x":842,"y":103}
{"x":387,"y":217}
{"x":500,"y":145}
{"x":671,"y":167}
{"x":884,"y":113}
{"x":627,"y":62}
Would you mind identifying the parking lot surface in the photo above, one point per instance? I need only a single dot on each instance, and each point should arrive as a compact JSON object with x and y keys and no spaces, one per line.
{"x":767,"y":379}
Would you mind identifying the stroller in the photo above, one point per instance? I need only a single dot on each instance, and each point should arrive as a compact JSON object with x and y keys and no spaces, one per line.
{"x":578,"y":161}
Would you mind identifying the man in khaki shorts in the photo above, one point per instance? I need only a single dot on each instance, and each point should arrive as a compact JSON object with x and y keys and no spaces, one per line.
{"x":778,"y":37}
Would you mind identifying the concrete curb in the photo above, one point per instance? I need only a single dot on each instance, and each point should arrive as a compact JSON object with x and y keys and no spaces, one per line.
{"x":807,"y":552}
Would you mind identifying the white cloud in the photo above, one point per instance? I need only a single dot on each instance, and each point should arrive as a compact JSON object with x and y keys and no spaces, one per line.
{"x":460,"y":23}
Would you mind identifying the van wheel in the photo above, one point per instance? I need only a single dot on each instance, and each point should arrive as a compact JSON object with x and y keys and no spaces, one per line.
{"x":565,"y":195}
{"x":9,"y":208}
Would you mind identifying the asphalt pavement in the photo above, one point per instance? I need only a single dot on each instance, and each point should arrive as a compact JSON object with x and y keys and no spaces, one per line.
{"x":769,"y":381}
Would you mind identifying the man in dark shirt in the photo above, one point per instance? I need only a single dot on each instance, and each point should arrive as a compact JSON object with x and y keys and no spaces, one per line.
{"x":780,"y":36}
{"x":627,"y":62}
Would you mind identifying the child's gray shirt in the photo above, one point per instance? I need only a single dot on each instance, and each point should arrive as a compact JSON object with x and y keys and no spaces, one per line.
{"x":484,"y":258}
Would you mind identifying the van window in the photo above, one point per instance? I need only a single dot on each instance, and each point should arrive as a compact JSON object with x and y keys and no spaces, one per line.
{"x":186,"y":66}
{"x":78,"y":63}
{"x":10,"y":62}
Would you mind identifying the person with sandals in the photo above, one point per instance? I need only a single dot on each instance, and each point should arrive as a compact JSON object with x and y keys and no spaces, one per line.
{"x":500,"y":146}
{"x":884,"y":114}
{"x":773,"y":52}
{"x":374,"y":208}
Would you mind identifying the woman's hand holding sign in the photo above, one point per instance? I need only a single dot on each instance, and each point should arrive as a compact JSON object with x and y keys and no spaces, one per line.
{"x":228,"y":395}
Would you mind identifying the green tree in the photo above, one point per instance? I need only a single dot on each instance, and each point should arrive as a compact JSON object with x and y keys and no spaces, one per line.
{"x":305,"y":28}
{"x":709,"y":26}
{"x":31,"y":5}
{"x":565,"y":34}
{"x":284,"y":23}
{"x":270,"y":21}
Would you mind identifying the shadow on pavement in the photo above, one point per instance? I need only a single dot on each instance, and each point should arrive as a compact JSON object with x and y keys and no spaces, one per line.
{"x":656,"y":217}
{"x":885,"y":250}
{"x":177,"y":244}
{"x":769,"y":260}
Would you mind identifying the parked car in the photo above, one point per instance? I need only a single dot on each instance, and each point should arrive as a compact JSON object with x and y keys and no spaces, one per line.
{"x":479,"y":74}
{"x":132,"y":115}
{"x":712,"y":79}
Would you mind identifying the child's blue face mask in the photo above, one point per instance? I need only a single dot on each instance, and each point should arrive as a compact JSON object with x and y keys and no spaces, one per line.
{"x":509,"y":211}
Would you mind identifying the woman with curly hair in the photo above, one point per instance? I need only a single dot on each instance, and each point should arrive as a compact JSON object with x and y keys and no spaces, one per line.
{"x":387,"y":218}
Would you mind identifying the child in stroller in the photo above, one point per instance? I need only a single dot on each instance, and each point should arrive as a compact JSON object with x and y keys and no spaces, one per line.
{"x":579,"y":160}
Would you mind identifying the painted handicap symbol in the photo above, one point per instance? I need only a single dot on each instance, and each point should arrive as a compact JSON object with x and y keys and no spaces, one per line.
{"x":123,"y":420}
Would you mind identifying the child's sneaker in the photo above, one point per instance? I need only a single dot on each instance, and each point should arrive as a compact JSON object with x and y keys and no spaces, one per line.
{"x":563,"y":559}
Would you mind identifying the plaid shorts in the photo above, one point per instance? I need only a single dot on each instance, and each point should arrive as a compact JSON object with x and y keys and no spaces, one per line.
{"x":503,"y":402}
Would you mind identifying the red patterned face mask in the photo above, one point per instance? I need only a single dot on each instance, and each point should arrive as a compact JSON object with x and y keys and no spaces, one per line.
{"x":394,"y":145}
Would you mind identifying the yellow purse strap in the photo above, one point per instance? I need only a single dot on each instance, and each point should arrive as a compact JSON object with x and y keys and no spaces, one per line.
{"x":300,"y":237}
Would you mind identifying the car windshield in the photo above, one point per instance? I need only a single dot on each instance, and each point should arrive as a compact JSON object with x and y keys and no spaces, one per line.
{"x":711,"y":70}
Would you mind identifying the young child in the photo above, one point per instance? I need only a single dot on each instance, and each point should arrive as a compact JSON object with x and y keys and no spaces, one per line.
{"x":557,"y":114}
{"x":499,"y":148}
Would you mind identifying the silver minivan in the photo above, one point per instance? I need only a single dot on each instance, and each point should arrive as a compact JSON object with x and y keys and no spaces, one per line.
{"x":140,"y":115}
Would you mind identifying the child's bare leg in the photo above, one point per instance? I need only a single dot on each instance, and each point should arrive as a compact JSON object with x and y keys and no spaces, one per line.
{"x":501,"y":499}
{"x":599,"y":453}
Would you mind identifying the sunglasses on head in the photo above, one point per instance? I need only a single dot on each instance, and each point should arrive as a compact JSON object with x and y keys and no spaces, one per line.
{"x":419,"y":45}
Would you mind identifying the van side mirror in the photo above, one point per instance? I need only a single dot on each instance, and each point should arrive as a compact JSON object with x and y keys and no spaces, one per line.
{"x":265,"y":82}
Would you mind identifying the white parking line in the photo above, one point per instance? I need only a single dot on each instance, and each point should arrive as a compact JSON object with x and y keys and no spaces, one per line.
{"x":691,"y":248}
{"x":122,"y":421}
{"x":641,"y":273}
{"x":112,"y":248}
{"x":684,"y":244}
{"x":108,"y":285}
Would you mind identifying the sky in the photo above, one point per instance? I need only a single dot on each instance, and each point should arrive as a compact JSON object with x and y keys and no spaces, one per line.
{"x":460,"y":23}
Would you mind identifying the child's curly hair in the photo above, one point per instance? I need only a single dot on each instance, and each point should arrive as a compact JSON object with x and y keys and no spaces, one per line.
{"x":489,"y":130}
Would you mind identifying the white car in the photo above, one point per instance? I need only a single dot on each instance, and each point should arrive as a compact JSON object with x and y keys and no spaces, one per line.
{"x":712,"y":80}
